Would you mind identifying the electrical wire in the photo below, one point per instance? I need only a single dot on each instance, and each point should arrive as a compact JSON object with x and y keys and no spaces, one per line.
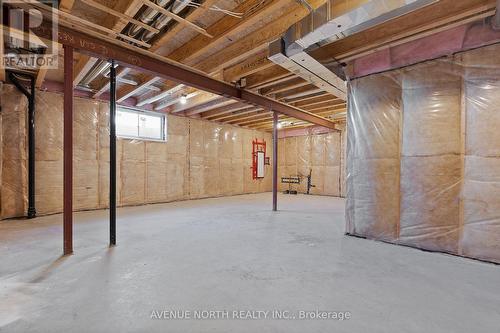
{"x":214,"y":8}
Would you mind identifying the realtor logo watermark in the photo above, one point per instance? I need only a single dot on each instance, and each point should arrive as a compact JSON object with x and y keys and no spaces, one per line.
{"x":250,"y":315}
{"x":20,"y":46}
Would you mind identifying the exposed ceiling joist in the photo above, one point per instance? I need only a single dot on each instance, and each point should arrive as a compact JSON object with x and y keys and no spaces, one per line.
{"x":129,"y":8}
{"x":218,"y":102}
{"x":253,"y":64}
{"x":219,"y":112}
{"x":228,"y":25}
{"x":176,"y":17}
{"x":66,"y":5}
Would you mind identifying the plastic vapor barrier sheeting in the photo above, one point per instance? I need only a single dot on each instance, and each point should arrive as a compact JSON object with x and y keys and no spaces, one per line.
{"x":424,"y":155}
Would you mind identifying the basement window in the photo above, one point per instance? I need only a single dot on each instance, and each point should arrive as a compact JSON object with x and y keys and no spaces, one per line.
{"x":136,"y":124}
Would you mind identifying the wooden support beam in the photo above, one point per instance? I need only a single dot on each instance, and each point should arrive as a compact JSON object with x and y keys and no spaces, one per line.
{"x":253,"y":10}
{"x":66,"y":5}
{"x":176,"y":17}
{"x":218,"y":112}
{"x":325,"y":105}
{"x":121,"y":73}
{"x":176,"y":29}
{"x":190,"y":52}
{"x":293,"y":83}
{"x":127,"y":7}
{"x":40,"y":77}
{"x":251,"y":122}
{"x":240,"y":118}
{"x":200,"y":99}
{"x":74,"y":20}
{"x":253,"y":64}
{"x":218,"y":102}
{"x":291,"y":101}
{"x":317,"y":100}
{"x":235,"y":114}
{"x":257,"y":40}
{"x":268,"y":77}
{"x":118,"y":14}
{"x":298,"y":92}
{"x":83,"y":66}
{"x":130,"y":91}
{"x":136,"y":58}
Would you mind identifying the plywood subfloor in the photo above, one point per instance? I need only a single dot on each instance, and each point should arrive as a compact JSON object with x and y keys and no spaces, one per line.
{"x":233,"y":254}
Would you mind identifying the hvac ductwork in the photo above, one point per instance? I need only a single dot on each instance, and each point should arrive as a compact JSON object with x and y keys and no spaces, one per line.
{"x":326,"y":25}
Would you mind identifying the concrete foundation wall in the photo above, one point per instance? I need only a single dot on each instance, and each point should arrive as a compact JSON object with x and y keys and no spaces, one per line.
{"x":200,"y":159}
{"x":424,"y":155}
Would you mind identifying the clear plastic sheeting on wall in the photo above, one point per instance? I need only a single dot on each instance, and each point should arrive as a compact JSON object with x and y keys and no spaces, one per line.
{"x":318,"y":155}
{"x":424,"y":155}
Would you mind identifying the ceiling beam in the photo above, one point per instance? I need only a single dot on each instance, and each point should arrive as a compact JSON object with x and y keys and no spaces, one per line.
{"x":324,"y":105}
{"x":218,"y":102}
{"x":118,"y":14}
{"x":66,"y":5}
{"x":233,"y":115}
{"x":129,"y":91}
{"x":257,"y":40}
{"x":201,"y":98}
{"x":293,"y":83}
{"x":104,"y":47}
{"x":307,"y":98}
{"x":121,"y":73}
{"x":220,"y":30}
{"x":40,"y":77}
{"x":267,"y":77}
{"x":217,"y":112}
{"x":254,"y":10}
{"x":298,"y":92}
{"x":127,"y":7}
{"x":176,"y":17}
{"x":317,"y":100}
{"x":250,"y":115}
{"x":176,"y":29}
{"x":253,"y":64}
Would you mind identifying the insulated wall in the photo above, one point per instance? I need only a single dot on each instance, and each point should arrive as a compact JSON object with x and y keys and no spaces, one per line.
{"x":317,"y":154}
{"x":424,"y":155}
{"x":199,"y":159}
{"x":13,"y":147}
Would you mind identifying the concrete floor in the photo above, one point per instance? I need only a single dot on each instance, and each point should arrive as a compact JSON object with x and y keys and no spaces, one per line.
{"x":234,"y":254}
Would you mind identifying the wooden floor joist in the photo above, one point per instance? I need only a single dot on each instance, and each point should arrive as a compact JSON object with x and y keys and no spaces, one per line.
{"x":125,"y":55}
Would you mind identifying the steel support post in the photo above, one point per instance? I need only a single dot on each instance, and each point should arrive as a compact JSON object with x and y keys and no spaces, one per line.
{"x":68,"y":151}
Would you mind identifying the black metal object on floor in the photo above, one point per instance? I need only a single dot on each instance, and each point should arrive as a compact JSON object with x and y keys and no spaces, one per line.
{"x":290,"y":180}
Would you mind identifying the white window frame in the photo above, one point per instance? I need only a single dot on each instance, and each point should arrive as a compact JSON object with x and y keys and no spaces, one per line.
{"x":162,"y":116}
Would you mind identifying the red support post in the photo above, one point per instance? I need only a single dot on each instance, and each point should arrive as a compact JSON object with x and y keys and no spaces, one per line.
{"x":275,"y":161}
{"x":68,"y":151}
